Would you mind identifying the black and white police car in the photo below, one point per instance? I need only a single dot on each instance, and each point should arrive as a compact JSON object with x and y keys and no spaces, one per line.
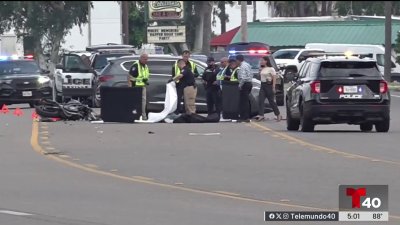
{"x":338,"y":89}
{"x":22,"y":81}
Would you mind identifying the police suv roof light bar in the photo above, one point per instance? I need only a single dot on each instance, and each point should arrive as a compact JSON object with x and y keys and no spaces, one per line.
{"x":332,"y":54}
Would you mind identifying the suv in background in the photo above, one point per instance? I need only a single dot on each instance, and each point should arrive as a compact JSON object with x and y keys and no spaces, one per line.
{"x":338,"y":90}
{"x":101,"y":55}
{"x":22,"y":81}
{"x":115,"y":74}
{"x":252,"y":52}
{"x":290,"y":60}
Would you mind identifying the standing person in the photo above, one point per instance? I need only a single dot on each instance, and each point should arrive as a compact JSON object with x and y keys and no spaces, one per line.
{"x":176,"y":71}
{"x":267,"y":90}
{"x":234,"y":70}
{"x":188,"y":82}
{"x":139,"y":74}
{"x":224,"y":71}
{"x":212,"y":87}
{"x":245,"y":77}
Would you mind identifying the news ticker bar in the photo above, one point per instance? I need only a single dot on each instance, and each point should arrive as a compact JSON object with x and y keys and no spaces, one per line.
{"x":325,"y":216}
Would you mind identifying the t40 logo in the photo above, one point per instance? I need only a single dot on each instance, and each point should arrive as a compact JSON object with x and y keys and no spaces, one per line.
{"x":368,"y":202}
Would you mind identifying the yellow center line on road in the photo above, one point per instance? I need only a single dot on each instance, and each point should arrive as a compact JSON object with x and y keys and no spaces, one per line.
{"x":322,"y":148}
{"x":227,"y":195}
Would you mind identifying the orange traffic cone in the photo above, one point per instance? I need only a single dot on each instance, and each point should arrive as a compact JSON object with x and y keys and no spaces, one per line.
{"x":5,"y":109}
{"x":18,"y":112}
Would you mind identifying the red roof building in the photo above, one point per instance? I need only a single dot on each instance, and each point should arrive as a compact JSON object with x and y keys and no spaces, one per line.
{"x":224,"y":39}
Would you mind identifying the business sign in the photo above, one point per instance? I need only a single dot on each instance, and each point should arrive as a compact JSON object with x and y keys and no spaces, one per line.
{"x":166,"y":34}
{"x":166,"y":10}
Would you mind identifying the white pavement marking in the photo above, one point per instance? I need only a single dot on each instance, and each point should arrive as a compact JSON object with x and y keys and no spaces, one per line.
{"x":204,"y":134}
{"x":14,"y":213}
{"x":398,"y":96}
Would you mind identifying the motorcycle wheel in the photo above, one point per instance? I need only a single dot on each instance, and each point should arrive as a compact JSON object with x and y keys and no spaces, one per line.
{"x":48,"y":111}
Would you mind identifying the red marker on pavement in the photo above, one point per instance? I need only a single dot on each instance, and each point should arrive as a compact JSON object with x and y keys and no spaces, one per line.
{"x":35,"y":116}
{"x":5,"y":109}
{"x":18,"y":112}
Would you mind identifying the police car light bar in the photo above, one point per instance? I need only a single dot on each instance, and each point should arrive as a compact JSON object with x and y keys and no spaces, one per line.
{"x":252,"y":51}
{"x":15,"y":57}
{"x":345,"y":54}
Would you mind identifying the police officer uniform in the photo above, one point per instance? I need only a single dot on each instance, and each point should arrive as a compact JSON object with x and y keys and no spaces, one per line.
{"x":213,"y":90}
{"x":180,"y":86}
{"x":139,"y":77}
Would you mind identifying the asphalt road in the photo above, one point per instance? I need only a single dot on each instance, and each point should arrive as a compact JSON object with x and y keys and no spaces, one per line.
{"x":78,"y":173}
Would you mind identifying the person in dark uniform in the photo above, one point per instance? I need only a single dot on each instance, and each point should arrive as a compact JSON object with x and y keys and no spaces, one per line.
{"x":188,"y":82}
{"x":176,"y":71}
{"x":212,"y":88}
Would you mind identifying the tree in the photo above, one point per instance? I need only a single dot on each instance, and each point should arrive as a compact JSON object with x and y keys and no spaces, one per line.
{"x":388,"y":40}
{"x":207,"y":7}
{"x":46,"y":22}
{"x":323,"y":8}
{"x":294,"y":8}
{"x":137,"y":23}
{"x":199,"y":13}
{"x":254,"y":11}
{"x":220,"y":11}
{"x":243,"y":27}
{"x":365,"y":8}
{"x":397,"y":46}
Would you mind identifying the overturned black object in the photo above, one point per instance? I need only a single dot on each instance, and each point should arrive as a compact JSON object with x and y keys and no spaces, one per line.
{"x":213,"y":118}
{"x":195,"y":118}
{"x":230,"y":100}
{"x":121,"y":104}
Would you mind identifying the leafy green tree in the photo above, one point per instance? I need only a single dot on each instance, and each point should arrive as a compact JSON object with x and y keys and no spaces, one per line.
{"x":369,"y":8}
{"x":220,"y":12}
{"x":46,"y":22}
{"x":137,"y":23}
{"x":397,"y":47}
{"x":294,"y":8}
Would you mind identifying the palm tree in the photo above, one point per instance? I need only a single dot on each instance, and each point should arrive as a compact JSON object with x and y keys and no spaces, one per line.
{"x":207,"y":10}
{"x":243,"y":26}
{"x":254,"y":11}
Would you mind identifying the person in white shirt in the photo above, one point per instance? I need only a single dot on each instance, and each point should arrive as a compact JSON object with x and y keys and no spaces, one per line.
{"x":267,"y":90}
{"x":245,"y":77}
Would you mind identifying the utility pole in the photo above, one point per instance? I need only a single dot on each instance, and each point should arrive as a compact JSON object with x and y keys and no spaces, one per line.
{"x":89,"y":24}
{"x":243,"y":26}
{"x":388,"y":40}
{"x":125,"y":22}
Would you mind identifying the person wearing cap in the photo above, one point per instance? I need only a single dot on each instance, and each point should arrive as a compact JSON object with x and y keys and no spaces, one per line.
{"x":213,"y":90}
{"x":245,"y":77}
{"x":188,"y":82}
{"x":176,"y":71}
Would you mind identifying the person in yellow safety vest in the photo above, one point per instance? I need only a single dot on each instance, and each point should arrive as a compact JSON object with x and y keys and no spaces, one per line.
{"x":234,"y":66}
{"x":176,"y":71}
{"x":139,"y":74}
{"x":225,"y":71}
